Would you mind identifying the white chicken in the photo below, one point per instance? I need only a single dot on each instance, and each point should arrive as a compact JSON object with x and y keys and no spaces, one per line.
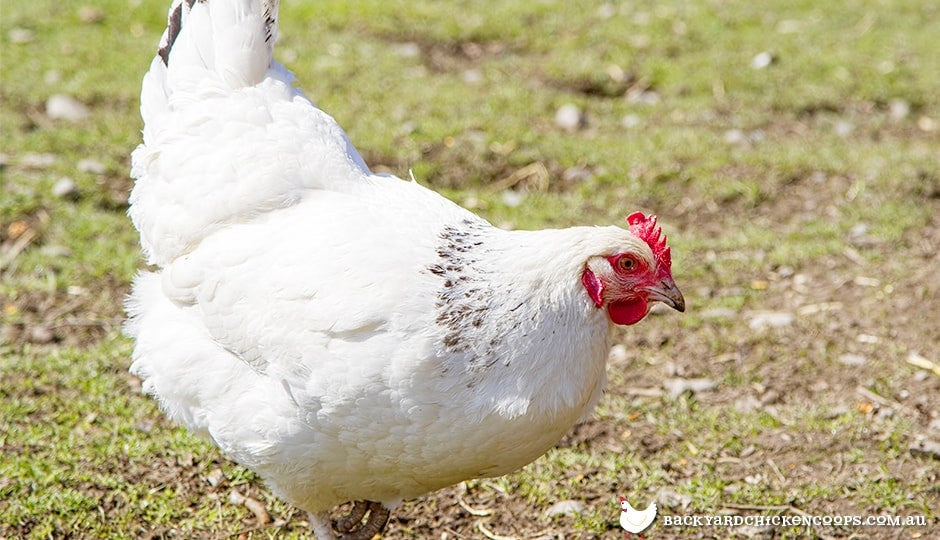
{"x":346,"y":335}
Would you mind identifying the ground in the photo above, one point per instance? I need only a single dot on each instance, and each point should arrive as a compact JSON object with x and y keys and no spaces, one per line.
{"x":789,"y":148}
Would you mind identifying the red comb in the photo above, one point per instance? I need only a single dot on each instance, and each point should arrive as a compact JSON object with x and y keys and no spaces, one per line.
{"x":645,"y":229}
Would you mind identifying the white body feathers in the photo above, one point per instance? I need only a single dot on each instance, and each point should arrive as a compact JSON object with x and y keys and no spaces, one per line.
{"x":346,"y":335}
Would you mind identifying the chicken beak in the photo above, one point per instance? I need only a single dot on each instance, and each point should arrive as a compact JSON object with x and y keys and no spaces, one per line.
{"x":668,"y":293}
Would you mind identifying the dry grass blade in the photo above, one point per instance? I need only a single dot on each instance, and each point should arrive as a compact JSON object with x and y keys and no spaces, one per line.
{"x":474,"y":511}
{"x":533,"y":177}
{"x":490,"y":534}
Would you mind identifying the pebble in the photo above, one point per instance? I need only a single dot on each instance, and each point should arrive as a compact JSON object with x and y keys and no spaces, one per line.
{"x":64,"y":107}
{"x":672,"y":499}
{"x":735,"y":136}
{"x":898,"y":109}
{"x":569,"y":117}
{"x":512,"y":198}
{"x":746,"y":404}
{"x":770,"y":319}
{"x":630,"y":121}
{"x":577,"y":174}
{"x":65,"y":188}
{"x":843,"y":128}
{"x":40,"y":335}
{"x":472,"y":76}
{"x":33,"y":160}
{"x":762,"y":60}
{"x":926,"y":448}
{"x":90,"y":165}
{"x":20,"y":35}
{"x":565,"y":507}
{"x":854,"y":360}
{"x":407,"y":50}
{"x":215,"y":477}
{"x":677,"y":386}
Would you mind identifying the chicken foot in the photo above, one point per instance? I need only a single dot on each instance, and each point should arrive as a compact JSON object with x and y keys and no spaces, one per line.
{"x":351,"y":527}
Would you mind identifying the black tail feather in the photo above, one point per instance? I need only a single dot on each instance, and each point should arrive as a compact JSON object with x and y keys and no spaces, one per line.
{"x":174,"y":23}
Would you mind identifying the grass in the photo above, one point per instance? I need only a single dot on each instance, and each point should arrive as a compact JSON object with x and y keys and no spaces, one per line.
{"x":808,"y":187}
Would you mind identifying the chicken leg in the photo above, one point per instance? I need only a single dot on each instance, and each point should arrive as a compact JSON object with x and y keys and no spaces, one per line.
{"x":350,"y":526}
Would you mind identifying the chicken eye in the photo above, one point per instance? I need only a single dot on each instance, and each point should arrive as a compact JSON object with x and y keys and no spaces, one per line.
{"x":627,"y":263}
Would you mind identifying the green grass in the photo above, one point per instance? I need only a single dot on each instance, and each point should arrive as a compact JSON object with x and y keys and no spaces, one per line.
{"x":766,"y":217}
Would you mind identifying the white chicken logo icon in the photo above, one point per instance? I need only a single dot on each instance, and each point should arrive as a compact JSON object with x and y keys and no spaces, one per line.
{"x":633,"y":520}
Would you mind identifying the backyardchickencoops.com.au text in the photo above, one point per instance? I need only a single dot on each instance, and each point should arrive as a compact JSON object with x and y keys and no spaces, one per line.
{"x":792,"y":521}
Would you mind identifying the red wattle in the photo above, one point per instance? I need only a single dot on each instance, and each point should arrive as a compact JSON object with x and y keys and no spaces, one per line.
{"x":627,"y":311}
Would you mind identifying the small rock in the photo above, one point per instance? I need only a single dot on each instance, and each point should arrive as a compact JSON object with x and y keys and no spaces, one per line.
{"x":65,"y":188}
{"x":770,"y":319}
{"x":512,"y":198}
{"x":898,"y":109}
{"x":677,"y":386}
{"x":735,"y":136}
{"x":934,"y":425}
{"x":926,"y":123}
{"x":672,"y":499}
{"x":858,"y":230}
{"x":618,"y":354}
{"x":90,"y":165}
{"x":63,"y":107}
{"x":407,"y":50}
{"x":570,"y":117}
{"x":235,"y":497}
{"x":565,"y":507}
{"x":762,"y":60}
{"x":215,"y":477}
{"x":853,"y":360}
{"x":630,"y":121}
{"x":576,"y":174}
{"x":746,"y":404}
{"x":843,"y":128}
{"x":20,"y":35}
{"x":926,"y":449}
{"x":40,"y":335}
{"x":472,"y":76}
{"x":33,"y":160}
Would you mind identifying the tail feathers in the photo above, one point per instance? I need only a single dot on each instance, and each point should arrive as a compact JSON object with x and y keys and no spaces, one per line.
{"x":231,"y":39}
